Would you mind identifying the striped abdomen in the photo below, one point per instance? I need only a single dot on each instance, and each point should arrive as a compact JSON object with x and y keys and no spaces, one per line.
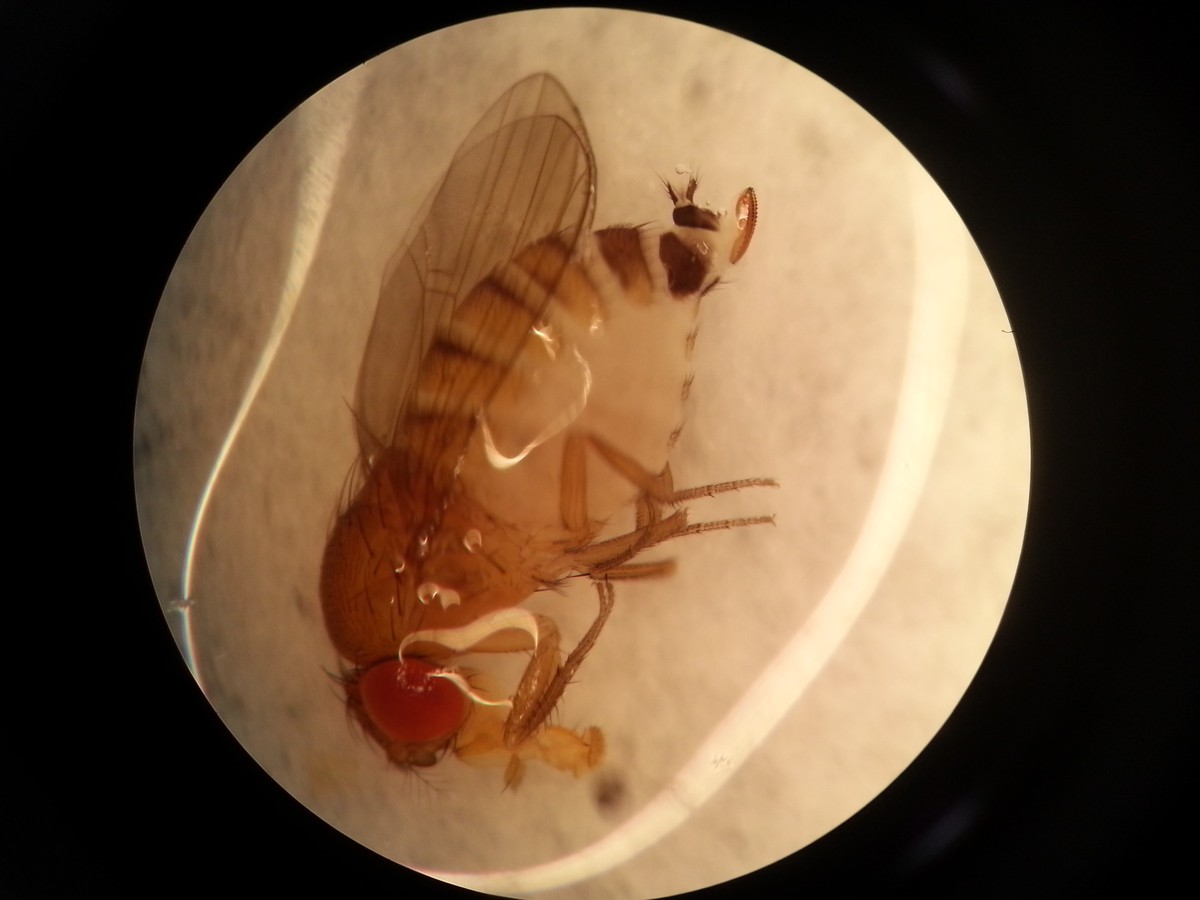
{"x":605,"y":348}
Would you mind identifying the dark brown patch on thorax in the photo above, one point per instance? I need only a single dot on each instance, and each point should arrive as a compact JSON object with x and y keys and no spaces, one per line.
{"x":686,"y":269}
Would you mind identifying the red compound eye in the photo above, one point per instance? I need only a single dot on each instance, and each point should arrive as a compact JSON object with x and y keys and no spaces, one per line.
{"x":408,"y":704}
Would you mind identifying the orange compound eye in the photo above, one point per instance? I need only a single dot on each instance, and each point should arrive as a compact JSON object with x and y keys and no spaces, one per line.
{"x":409,"y":704}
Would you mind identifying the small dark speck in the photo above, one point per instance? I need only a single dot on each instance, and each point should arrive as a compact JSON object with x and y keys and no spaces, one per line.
{"x":610,"y":793}
{"x":698,"y":93}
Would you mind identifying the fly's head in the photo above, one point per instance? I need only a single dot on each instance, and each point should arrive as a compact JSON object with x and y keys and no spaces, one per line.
{"x":413,"y":708}
{"x":705,"y":242}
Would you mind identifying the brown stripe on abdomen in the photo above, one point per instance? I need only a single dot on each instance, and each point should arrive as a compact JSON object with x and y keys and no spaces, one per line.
{"x":454,"y":378}
{"x":621,"y":247}
{"x":551,"y":269}
{"x":494,"y":318}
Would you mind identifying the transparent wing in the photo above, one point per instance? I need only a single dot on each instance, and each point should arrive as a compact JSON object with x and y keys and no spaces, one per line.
{"x":524,"y":172}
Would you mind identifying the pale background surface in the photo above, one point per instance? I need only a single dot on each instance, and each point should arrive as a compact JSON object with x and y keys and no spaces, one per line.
{"x":799,"y":364}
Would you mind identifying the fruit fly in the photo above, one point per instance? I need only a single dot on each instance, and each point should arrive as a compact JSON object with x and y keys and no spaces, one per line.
{"x":521,"y":386}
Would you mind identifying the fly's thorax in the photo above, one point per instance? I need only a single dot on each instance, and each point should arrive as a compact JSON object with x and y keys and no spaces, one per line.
{"x":477,"y":563}
{"x":358,"y":577}
{"x":401,"y":559}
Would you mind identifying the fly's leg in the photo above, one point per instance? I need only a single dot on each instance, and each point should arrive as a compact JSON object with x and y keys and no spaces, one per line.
{"x":573,"y":495}
{"x":522,"y":735}
{"x":612,"y":558}
{"x":545,"y":679}
{"x":481,"y":743}
{"x":659,"y":488}
{"x":578,"y":523}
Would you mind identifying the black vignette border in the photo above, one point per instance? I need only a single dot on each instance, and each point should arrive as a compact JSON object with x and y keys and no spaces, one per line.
{"x":1064,"y":144}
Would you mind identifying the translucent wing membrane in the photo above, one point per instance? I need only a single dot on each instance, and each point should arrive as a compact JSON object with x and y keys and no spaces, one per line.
{"x":524,"y":172}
